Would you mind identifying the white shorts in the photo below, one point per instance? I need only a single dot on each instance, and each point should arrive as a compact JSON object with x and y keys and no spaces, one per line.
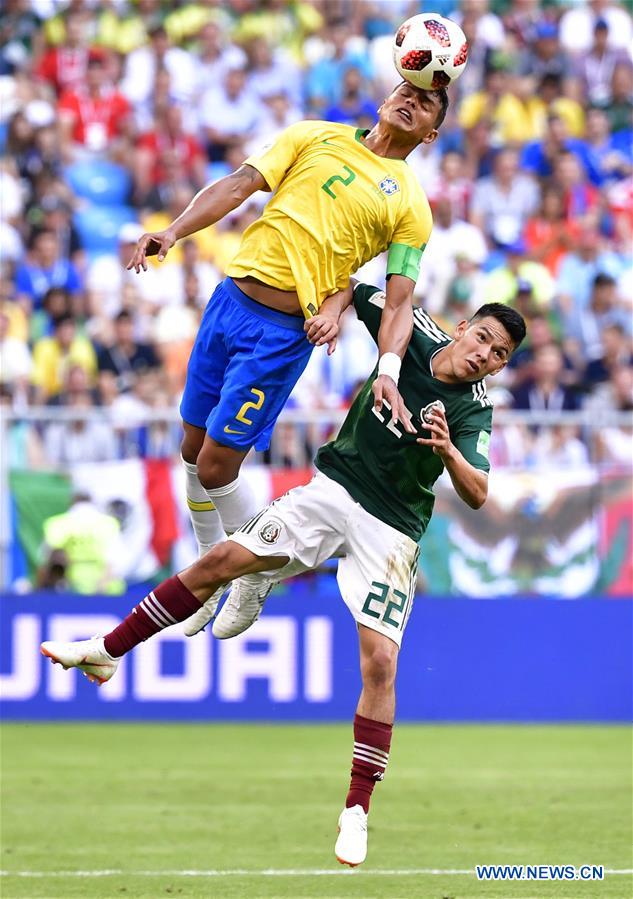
{"x":378,"y":564}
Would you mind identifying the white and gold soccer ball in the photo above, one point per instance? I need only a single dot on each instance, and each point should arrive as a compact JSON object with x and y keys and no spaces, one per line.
{"x":430,"y":51}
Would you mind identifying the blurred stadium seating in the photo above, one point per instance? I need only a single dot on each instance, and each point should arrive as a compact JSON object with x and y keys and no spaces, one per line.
{"x":111,"y":123}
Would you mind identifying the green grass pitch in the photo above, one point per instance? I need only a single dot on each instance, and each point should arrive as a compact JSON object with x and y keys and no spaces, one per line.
{"x":150,"y":801}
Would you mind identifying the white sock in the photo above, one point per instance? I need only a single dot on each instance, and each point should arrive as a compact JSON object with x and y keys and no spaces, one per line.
{"x":235,"y":502}
{"x":206,"y":521}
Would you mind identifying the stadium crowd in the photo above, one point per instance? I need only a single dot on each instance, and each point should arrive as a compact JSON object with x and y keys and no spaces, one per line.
{"x":113,"y":113}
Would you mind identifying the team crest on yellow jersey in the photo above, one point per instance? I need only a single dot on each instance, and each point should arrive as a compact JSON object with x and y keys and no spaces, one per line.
{"x":389,"y":186}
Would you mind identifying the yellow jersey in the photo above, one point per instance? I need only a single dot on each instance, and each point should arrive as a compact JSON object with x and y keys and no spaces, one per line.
{"x":336,"y":205}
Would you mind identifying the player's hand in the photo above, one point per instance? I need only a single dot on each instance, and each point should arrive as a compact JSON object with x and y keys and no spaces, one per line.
{"x":157,"y":244}
{"x":440,"y":438}
{"x":321,"y":329}
{"x":385,"y":389}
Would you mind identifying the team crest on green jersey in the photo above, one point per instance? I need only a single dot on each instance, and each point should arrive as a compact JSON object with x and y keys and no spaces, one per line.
{"x":389,"y":186}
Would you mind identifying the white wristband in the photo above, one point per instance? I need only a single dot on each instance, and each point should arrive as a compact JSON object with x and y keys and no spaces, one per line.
{"x":389,"y":364}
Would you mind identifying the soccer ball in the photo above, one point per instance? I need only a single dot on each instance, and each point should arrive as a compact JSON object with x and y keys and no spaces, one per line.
{"x":430,"y":51}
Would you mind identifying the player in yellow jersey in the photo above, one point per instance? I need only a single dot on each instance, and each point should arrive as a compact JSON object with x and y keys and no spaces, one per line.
{"x":341,"y":196}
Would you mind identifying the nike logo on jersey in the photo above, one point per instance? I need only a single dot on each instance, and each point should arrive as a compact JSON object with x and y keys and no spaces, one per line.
{"x":228,"y":430}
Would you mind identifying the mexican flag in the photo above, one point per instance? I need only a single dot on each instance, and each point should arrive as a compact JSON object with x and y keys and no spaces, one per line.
{"x":146,"y":495}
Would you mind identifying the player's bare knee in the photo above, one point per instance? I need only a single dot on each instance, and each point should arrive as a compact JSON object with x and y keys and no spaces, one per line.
{"x":219,"y":563}
{"x":191,"y":444}
{"x":379,"y":668}
{"x":213,"y":473}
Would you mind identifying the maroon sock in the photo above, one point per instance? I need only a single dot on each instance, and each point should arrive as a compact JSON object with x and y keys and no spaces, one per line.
{"x":372,"y":740}
{"x":169,"y":603}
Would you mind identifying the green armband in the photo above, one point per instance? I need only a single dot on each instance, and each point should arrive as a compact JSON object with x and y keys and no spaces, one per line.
{"x":404,"y":260}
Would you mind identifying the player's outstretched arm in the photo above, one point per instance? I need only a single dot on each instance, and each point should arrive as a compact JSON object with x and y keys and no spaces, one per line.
{"x":207,"y":207}
{"x":396,"y":326}
{"x":324,"y":326}
{"x":470,"y":483}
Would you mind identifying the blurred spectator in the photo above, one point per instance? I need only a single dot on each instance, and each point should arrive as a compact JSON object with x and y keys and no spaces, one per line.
{"x":107,"y":276}
{"x":216,"y":57}
{"x":519,"y":274}
{"x":578,"y":26}
{"x":206,"y":240}
{"x":142,"y":65}
{"x":544,"y":54}
{"x":617,"y":350}
{"x":545,"y":390}
{"x":56,"y":303}
{"x":271,"y":71}
{"x":64,"y":67}
{"x":56,"y":216}
{"x":507,"y":102}
{"x":541,"y":333}
{"x":276,"y":114}
{"x":51,"y":575}
{"x":80,"y":547}
{"x":465,"y":291}
{"x":611,"y":158}
{"x":509,"y":443}
{"x":581,"y":198}
{"x":126,"y":358}
{"x":613,"y":444}
{"x":619,"y":108}
{"x":77,"y":383}
{"x":579,"y":267}
{"x":71,"y":441}
{"x":503,"y":202}
{"x":124,"y":28}
{"x":176,"y":276}
{"x":452,"y":182}
{"x":23,"y":447}
{"x":53,"y":356}
{"x":559,"y":448}
{"x":11,"y":192}
{"x":15,"y":358}
{"x":548,"y":234}
{"x":355,"y":107}
{"x":586,"y":326}
{"x":94,"y":115}
{"x":168,"y":139}
{"x":595,"y":69}
{"x":540,"y":157}
{"x":324,"y":80}
{"x":451,"y":237}
{"x":19,"y":35}
{"x":227,"y":114}
{"x":44,"y":267}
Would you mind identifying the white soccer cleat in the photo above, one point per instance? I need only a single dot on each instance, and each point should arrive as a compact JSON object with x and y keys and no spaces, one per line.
{"x":351,"y":845}
{"x":199,"y":620}
{"x":243,"y":606}
{"x":87,"y":655}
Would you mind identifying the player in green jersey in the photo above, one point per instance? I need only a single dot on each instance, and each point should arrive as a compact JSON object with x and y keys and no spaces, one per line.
{"x":368,"y":505}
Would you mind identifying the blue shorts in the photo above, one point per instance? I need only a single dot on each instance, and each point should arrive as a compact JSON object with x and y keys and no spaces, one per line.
{"x":244,"y":364}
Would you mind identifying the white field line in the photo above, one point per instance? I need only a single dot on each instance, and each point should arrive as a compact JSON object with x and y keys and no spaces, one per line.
{"x":268,"y":872}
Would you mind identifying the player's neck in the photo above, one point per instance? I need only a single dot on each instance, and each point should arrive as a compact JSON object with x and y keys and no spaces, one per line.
{"x":384,"y":143}
{"x":442,"y":366}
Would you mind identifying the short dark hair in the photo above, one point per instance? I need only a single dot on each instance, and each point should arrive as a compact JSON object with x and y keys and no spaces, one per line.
{"x":442,"y":95}
{"x":512,"y":321}
{"x":602,"y":279}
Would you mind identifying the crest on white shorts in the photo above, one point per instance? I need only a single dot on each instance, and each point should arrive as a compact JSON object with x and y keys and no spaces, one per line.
{"x":270,"y":531}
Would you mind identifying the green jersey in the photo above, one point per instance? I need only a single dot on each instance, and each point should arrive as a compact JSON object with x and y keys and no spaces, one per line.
{"x":379,"y":464}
